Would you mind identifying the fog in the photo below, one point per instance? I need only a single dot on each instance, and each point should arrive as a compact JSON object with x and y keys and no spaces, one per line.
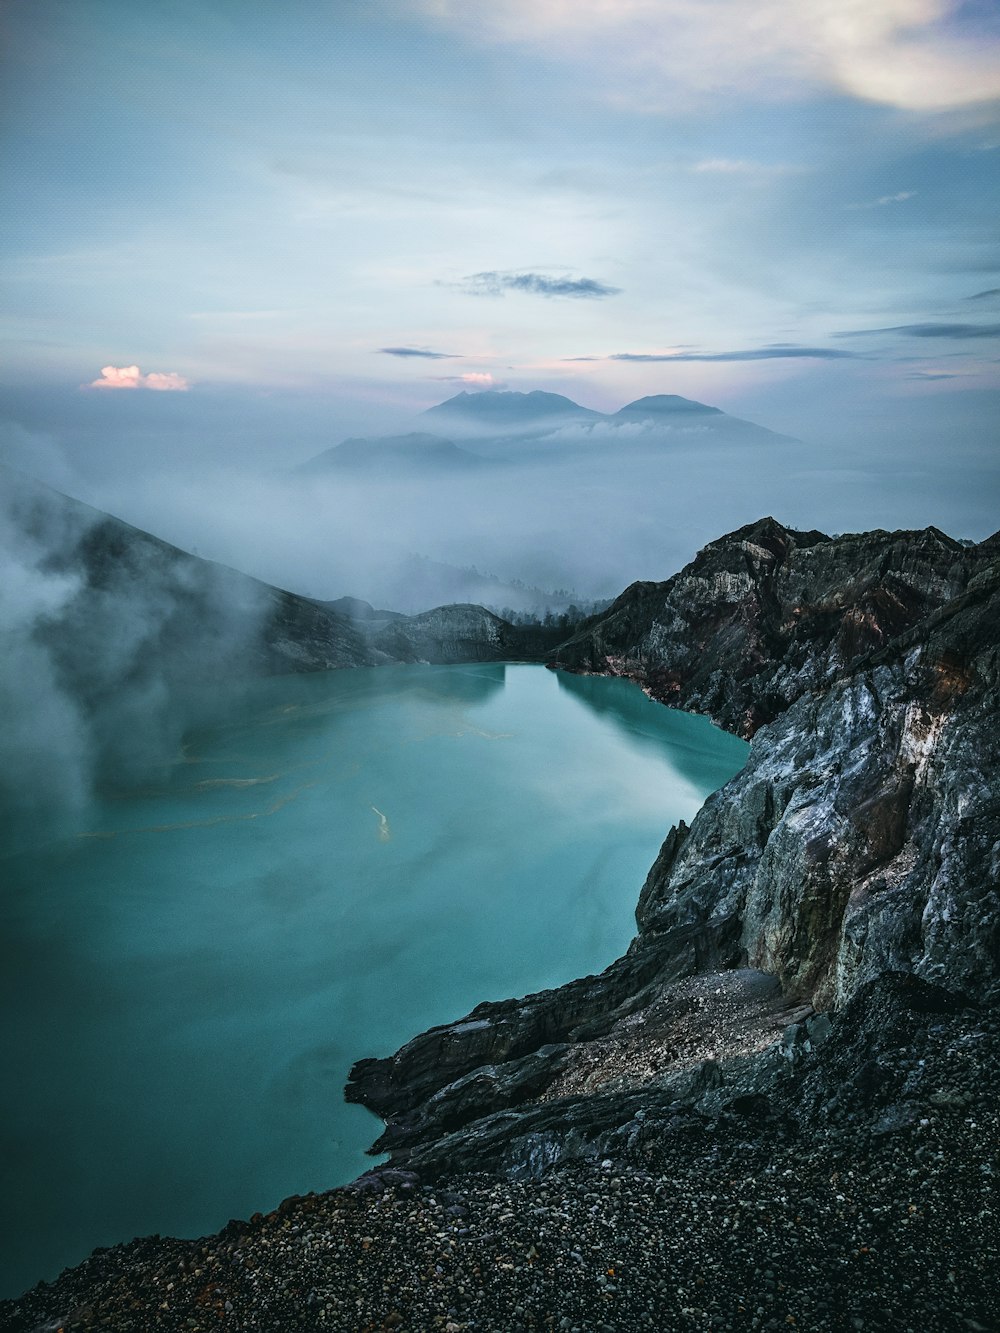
{"x":102,"y":655}
{"x":106,"y":657}
{"x":584,"y":508}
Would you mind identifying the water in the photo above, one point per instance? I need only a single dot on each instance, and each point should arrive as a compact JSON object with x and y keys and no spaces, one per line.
{"x":346,"y":860}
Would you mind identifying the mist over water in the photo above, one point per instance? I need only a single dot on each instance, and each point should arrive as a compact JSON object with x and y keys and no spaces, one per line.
{"x":344,"y":860}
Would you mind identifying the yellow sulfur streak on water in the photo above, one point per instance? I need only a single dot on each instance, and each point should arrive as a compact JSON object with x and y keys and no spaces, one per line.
{"x":383,"y":826}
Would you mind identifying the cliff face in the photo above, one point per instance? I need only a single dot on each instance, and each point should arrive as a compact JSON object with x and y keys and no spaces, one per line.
{"x":766,"y":614}
{"x":459,"y":633}
{"x":861,"y":841}
{"x":686,"y":1128}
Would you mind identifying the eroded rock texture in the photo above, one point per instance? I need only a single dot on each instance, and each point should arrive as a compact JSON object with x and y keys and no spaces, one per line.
{"x":861,"y":841}
{"x":766,"y":614}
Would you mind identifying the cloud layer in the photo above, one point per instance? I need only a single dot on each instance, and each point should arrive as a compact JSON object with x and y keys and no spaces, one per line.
{"x":496,"y":283}
{"x":131,"y":377}
{"x":773,"y":352}
{"x":913,"y":54}
{"x":426,"y":353}
{"x":955,"y":331}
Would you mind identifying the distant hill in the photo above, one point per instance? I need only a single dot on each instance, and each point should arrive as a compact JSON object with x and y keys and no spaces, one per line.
{"x":502,"y":425}
{"x":393,"y":456}
{"x":507,"y":412}
{"x":660,"y":405}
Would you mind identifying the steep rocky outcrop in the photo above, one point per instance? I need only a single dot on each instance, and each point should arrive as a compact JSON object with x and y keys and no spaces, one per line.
{"x":765,"y":614}
{"x":861,"y":840}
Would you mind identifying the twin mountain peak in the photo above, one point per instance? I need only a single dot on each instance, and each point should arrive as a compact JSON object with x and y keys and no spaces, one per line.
{"x":495,"y":425}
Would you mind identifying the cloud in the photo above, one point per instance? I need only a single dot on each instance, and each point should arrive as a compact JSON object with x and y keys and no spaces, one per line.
{"x":885,"y":199}
{"x":773,"y":352}
{"x":131,"y":377}
{"x":984,"y":296}
{"x":420,"y":352}
{"x":957,"y":331}
{"x":168,"y":381}
{"x":914,"y":54}
{"x":744,"y":166}
{"x":496,"y":283}
{"x":477,"y":379}
{"x":933,"y":375}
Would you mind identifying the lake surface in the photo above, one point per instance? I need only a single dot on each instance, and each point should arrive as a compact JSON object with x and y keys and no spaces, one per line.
{"x":348,"y":859}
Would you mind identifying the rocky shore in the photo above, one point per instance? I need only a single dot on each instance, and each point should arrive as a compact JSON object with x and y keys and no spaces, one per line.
{"x":778,"y":1109}
{"x":860,"y":1195}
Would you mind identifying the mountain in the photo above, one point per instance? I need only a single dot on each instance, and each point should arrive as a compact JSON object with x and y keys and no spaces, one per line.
{"x":662,"y":406}
{"x":767,"y":613}
{"x":392,"y":457}
{"x":494,"y":412}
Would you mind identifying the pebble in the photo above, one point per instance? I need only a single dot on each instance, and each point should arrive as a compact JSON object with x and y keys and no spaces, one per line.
{"x":824,"y":1227}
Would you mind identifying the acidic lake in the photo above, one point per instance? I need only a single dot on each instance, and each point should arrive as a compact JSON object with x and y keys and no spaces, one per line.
{"x":344,"y":860}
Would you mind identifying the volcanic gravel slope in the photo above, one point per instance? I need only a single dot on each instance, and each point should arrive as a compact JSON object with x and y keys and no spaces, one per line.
{"x":787,"y":1221}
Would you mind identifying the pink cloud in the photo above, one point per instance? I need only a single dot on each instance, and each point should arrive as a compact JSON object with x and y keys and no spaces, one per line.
{"x":118,"y":377}
{"x":165,"y":380}
{"x":479,"y":379}
{"x":131,"y":377}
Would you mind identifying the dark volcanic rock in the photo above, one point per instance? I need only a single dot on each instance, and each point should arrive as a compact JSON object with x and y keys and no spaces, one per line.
{"x":765,"y":614}
{"x":805,"y":1206}
{"x":861,"y":839}
{"x":227,"y":622}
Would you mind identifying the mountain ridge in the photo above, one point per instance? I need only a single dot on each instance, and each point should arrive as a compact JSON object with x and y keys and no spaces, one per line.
{"x":492,"y":418}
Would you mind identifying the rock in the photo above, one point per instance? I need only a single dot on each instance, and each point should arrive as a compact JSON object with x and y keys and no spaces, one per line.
{"x":859,"y":843}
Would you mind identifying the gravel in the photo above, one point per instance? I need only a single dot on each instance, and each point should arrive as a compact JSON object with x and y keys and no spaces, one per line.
{"x":883,"y":1219}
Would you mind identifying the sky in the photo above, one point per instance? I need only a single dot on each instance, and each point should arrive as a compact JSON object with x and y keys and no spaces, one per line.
{"x":243,"y":229}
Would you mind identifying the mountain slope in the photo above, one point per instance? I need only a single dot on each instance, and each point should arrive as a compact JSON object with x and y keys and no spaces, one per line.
{"x":683,"y":1141}
{"x":393,"y":456}
{"x":662,"y":406}
{"x":116,"y":643}
{"x":495,"y":412}
{"x":766,"y":613}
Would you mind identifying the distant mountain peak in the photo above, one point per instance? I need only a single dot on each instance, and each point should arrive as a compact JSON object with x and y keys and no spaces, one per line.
{"x":490,"y":399}
{"x":389,"y":453}
{"x":508,"y":407}
{"x":662,"y":404}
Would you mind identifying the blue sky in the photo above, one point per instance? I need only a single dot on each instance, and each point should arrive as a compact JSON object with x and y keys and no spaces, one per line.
{"x":779,"y":208}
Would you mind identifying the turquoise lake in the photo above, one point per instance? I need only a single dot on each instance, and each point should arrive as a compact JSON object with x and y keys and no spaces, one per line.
{"x":344,"y":860}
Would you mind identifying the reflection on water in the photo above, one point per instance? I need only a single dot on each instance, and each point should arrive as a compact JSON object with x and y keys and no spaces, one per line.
{"x":342,"y":861}
{"x":625,"y":706}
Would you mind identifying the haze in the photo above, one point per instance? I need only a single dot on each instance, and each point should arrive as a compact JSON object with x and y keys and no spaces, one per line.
{"x":236,"y":239}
